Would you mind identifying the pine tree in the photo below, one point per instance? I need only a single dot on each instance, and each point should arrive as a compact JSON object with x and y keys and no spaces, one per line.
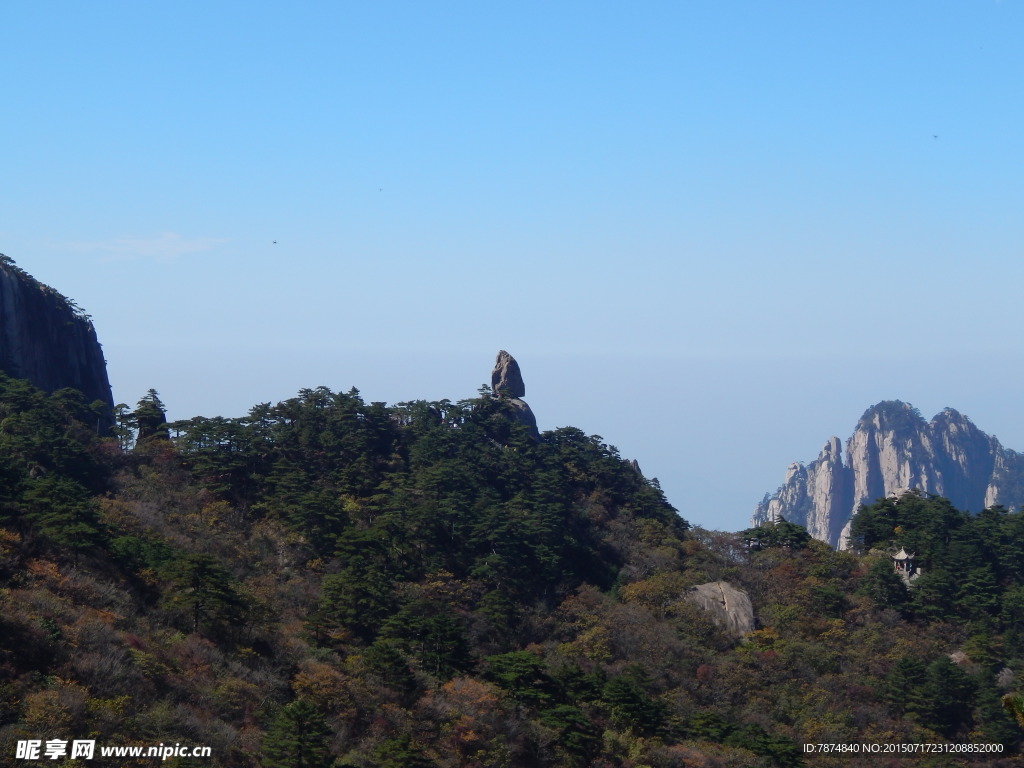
{"x":204,"y":589}
{"x":883,"y":586}
{"x":950,"y":696}
{"x":399,"y":752}
{"x":297,"y":738}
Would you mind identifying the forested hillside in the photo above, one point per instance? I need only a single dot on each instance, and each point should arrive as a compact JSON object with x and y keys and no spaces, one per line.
{"x":329,"y":582}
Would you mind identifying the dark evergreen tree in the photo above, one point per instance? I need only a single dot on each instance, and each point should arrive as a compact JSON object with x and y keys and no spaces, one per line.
{"x":778,"y":533}
{"x":883,"y":585}
{"x":631,"y":706}
{"x":578,"y":738}
{"x":432,"y":633}
{"x":297,"y":738}
{"x":523,"y":675}
{"x":904,"y":687}
{"x":359,"y":597}
{"x":203,"y":590}
{"x":399,"y":752}
{"x":932,"y":595}
{"x":949,"y":694}
{"x":62,"y":511}
{"x":385,"y":661}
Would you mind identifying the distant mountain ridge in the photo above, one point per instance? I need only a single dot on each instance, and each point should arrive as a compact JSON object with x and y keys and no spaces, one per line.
{"x":894,"y":449}
{"x":46,"y":338}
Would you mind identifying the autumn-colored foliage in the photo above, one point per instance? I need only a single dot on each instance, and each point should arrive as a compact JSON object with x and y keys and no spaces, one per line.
{"x":326,"y":582}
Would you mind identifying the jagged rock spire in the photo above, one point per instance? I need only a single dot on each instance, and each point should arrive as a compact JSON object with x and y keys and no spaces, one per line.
{"x":506,"y":378}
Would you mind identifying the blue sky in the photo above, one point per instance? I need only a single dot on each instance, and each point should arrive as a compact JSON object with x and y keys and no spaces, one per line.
{"x":713,"y":233}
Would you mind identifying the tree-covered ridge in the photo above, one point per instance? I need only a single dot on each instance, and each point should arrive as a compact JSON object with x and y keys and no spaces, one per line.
{"x":777,"y":533}
{"x":54,"y":465}
{"x":456,"y":487}
{"x":330,"y":582}
{"x":895,"y":414}
{"x":970,"y":573}
{"x":971,"y":566}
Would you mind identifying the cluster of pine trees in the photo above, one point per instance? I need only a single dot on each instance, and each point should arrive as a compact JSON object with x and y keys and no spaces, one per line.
{"x":330,"y":582}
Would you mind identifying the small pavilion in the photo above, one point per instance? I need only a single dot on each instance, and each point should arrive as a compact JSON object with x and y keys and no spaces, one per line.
{"x":903,"y":563}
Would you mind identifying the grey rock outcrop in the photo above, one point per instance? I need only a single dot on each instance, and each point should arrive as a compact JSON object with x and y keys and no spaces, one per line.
{"x":506,"y":378}
{"x":507,"y":385}
{"x":729,"y":607}
{"x":894,"y":449}
{"x":522,"y":414}
{"x":47,"y":339}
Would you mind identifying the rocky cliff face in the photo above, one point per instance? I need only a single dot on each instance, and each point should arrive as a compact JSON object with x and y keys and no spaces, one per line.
{"x":48,"y":340}
{"x":894,"y":449}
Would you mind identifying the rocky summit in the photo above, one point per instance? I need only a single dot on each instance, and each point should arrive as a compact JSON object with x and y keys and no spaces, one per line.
{"x":893,"y":450}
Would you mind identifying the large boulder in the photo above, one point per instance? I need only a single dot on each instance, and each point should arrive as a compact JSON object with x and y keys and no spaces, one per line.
{"x":729,"y":607}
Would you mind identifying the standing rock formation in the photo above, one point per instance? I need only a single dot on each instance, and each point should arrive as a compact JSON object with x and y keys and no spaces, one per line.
{"x":507,"y":385}
{"x":506,"y":378}
{"x":47,"y":339}
{"x":893,"y":449}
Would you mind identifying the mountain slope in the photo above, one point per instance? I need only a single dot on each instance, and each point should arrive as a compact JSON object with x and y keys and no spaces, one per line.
{"x":427,"y":584}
